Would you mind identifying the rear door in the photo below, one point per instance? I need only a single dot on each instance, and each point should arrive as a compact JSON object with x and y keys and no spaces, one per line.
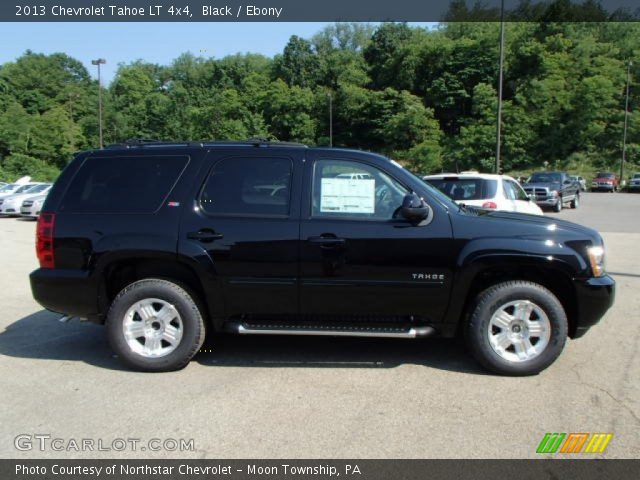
{"x":245,"y":222}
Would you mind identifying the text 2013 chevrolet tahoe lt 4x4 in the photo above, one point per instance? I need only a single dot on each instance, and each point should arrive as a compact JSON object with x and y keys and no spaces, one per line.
{"x":162,"y":242}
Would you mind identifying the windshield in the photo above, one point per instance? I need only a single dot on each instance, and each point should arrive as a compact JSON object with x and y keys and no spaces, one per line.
{"x":38,"y":188}
{"x":24,"y":188}
{"x":545,"y":178}
{"x":636,"y":175}
{"x":8,"y":188}
{"x":441,"y":197}
{"x":606,"y":175}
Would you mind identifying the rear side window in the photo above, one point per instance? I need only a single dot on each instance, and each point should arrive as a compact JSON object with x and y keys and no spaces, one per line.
{"x":133,"y":184}
{"x":466,"y":188}
{"x":248,"y":186}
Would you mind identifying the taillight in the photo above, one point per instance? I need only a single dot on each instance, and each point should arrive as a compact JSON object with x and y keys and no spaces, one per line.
{"x":44,"y":239}
{"x":489,"y":205}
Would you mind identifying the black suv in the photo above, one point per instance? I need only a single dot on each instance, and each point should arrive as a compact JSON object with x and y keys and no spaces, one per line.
{"x":162,"y":242}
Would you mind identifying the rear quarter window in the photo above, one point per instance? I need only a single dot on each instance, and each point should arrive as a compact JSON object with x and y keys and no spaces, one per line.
{"x":127,"y":184}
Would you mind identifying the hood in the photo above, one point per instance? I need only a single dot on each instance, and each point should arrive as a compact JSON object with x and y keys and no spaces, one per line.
{"x":551,"y":185}
{"x":525,"y":224}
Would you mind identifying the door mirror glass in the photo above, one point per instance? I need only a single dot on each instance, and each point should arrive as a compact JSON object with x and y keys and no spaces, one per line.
{"x":414,"y":208}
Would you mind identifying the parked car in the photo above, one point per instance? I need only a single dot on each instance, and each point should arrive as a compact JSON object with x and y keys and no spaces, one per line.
{"x":156,"y":261}
{"x":605,"y":181}
{"x":634,"y":183}
{"x":496,"y":192}
{"x":32,"y":206}
{"x":10,"y":205}
{"x":582,"y":183}
{"x":553,"y":189}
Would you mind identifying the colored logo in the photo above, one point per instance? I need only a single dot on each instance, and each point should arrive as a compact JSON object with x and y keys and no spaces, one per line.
{"x":574,"y":443}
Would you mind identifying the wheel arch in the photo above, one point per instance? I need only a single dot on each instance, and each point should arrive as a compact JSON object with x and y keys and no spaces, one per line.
{"x":481,"y":275}
{"x":125,"y":270}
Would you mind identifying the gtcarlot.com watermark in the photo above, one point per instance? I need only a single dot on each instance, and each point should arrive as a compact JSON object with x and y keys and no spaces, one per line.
{"x":45,"y":442}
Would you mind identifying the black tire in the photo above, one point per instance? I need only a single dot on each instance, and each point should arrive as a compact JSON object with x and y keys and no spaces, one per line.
{"x":186,"y":305}
{"x":558,"y":206}
{"x":489,"y":301}
{"x":575,"y":203}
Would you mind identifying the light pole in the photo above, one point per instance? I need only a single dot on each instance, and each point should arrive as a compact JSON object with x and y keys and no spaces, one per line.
{"x":499,"y":115}
{"x":626,"y":121}
{"x":98,"y":62}
{"x":330,"y":119}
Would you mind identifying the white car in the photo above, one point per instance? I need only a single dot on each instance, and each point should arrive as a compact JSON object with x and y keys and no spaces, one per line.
{"x":32,"y":206}
{"x":10,"y":205}
{"x":494,"y":192}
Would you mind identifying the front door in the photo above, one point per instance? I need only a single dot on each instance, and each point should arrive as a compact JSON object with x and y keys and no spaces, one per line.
{"x":245,"y":220}
{"x":357,"y":257}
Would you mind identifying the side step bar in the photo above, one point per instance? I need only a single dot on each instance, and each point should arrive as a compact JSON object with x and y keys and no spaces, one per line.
{"x":413,"y":332}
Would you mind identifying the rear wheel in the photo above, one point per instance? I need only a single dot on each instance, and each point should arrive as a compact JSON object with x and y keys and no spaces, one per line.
{"x":516,"y":328}
{"x":155,"y":325}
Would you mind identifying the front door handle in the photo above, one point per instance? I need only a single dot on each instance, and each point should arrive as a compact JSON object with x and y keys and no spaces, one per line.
{"x":327,"y":241}
{"x":204,"y":235}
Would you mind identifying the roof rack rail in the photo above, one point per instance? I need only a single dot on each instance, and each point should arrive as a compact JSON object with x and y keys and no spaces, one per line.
{"x":254,"y":141}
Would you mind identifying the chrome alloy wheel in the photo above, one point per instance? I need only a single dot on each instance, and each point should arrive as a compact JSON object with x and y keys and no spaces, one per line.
{"x":519,"y":331}
{"x":152,"y":328}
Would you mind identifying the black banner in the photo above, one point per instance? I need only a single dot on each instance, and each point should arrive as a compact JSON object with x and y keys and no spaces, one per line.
{"x":583,"y":469}
{"x":310,"y":10}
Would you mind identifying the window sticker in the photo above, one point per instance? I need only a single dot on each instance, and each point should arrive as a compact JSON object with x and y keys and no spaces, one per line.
{"x":347,"y":195}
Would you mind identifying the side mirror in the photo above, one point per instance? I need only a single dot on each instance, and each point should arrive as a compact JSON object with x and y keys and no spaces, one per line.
{"x":413,"y":208}
{"x":568,"y":182}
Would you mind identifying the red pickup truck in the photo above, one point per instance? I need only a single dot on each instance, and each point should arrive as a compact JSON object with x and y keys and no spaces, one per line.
{"x":606,"y":181}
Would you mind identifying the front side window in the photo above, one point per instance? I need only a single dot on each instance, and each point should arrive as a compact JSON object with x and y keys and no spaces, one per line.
{"x":248,"y":186}
{"x":349,"y":189}
{"x":519,"y":191}
{"x":513,"y":191}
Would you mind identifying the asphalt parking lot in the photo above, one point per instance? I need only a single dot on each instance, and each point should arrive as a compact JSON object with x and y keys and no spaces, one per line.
{"x":292,"y":397}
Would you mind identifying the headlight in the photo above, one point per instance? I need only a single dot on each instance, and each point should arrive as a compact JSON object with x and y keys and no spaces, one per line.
{"x":596,"y":259}
{"x":554,"y":193}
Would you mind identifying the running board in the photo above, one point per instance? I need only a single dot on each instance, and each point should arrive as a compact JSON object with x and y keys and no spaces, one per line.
{"x":333,"y":331}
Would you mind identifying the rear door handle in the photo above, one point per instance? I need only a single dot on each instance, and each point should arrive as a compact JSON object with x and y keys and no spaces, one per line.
{"x":326,"y":241}
{"x":204,"y":235}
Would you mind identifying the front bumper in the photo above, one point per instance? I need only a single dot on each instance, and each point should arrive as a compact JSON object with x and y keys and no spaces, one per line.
{"x":548,"y":202}
{"x":634,"y":188}
{"x":9,"y":210}
{"x":602,"y":186}
{"x":594,"y":297}
{"x":28,"y":212}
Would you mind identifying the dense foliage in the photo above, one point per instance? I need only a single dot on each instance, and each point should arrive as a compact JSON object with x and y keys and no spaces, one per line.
{"x":427,"y":98}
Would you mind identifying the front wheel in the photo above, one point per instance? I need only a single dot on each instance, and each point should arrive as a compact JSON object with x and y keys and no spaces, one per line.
{"x":575,"y":203}
{"x":558,"y":206}
{"x":516,"y":328}
{"x":155,"y":325}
